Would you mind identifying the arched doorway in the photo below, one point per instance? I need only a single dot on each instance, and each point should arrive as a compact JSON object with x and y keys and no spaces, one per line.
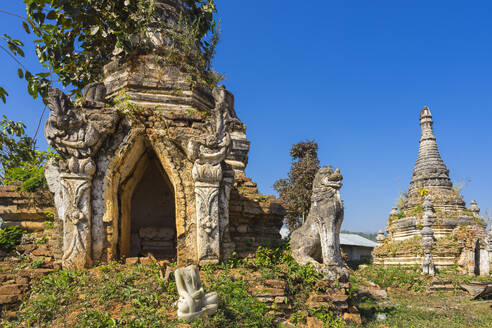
{"x":147,"y":217}
{"x":477,"y":258}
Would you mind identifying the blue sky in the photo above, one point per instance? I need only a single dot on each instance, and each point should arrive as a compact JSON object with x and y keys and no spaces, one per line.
{"x":352,"y":75}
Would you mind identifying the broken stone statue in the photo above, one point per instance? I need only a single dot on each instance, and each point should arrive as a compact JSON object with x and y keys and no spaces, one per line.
{"x":193,"y":302}
{"x":317,"y":241}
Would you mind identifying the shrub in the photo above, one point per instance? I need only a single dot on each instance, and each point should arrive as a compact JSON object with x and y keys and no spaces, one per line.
{"x":37,"y":263}
{"x":95,"y":319}
{"x":10,"y":237}
{"x":327,"y":316}
{"x":298,"y":276}
{"x":237,"y":308}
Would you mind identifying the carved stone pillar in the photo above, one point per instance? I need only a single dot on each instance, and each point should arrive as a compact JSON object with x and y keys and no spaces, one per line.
{"x":489,"y":240}
{"x":207,"y":177}
{"x":225,"y":195}
{"x":428,"y":266}
{"x":76,"y":194}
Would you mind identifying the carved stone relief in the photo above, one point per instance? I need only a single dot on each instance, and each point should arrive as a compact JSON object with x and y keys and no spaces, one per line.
{"x":211,"y":189}
{"x":77,"y":133}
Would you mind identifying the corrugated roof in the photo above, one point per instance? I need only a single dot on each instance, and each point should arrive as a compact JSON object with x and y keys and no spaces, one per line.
{"x":355,"y":240}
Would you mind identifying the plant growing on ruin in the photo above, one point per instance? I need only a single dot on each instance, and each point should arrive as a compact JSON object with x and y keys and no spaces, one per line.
{"x":10,"y":237}
{"x":295,"y":191}
{"x":402,"y":199}
{"x":78,"y":37}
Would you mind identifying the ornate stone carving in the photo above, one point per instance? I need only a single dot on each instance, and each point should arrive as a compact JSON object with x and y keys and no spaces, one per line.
{"x":199,"y":142}
{"x":211,"y":192}
{"x":76,"y":224}
{"x":77,"y":133}
{"x":489,"y":248}
{"x":429,"y":217}
{"x":193,"y":302}
{"x":317,"y":241}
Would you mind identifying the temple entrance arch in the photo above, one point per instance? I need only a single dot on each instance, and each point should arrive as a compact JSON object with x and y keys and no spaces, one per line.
{"x":147,"y":218}
{"x":477,"y":258}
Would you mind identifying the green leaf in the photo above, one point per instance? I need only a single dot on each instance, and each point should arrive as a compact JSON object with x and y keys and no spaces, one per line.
{"x":43,"y":74}
{"x":3,"y":95}
{"x":26,"y":27}
{"x":20,"y":73}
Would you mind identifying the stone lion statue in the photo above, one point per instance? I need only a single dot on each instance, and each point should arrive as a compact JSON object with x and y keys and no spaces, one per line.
{"x":317,"y":241}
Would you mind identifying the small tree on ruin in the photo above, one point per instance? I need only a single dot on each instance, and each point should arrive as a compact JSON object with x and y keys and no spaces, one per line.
{"x":295,"y":191}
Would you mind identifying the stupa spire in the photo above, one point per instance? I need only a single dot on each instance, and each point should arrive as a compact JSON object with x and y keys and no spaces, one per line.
{"x":430,"y":169}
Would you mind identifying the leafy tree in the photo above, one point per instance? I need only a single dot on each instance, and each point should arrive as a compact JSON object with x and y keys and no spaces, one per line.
{"x":19,"y":160}
{"x":295,"y":191}
{"x":78,"y":37}
{"x":15,"y":146}
{"x":13,"y":48}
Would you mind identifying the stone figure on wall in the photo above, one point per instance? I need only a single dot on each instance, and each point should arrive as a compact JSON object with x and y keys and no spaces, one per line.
{"x":193,"y":302}
{"x":211,"y":191}
{"x":76,"y":133}
{"x":317,"y":241}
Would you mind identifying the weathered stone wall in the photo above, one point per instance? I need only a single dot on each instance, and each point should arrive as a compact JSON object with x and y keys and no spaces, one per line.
{"x":28,"y":211}
{"x":254,"y":219}
{"x":37,"y":255}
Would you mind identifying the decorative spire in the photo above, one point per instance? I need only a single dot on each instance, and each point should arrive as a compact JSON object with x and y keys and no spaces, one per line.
{"x":380,"y":237}
{"x":430,"y":169}
{"x":474,"y":207}
{"x":394,"y":211}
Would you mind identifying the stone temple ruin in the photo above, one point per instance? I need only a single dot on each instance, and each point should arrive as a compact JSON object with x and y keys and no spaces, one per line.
{"x":431,"y":226}
{"x":153,"y":162}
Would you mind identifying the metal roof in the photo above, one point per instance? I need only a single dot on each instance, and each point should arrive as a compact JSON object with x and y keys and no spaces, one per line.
{"x":356,"y":240}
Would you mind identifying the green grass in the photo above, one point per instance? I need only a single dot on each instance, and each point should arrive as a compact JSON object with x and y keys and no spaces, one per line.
{"x":418,"y":310}
{"x":134,"y":296}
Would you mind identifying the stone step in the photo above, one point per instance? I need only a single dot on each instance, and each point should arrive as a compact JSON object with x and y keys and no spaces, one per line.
{"x":35,"y":273}
{"x":7,"y":276}
{"x":275,"y":284}
{"x":328,"y":298}
{"x":337,"y":301}
{"x":27,"y":248}
{"x":13,"y":289}
{"x":9,"y":299}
